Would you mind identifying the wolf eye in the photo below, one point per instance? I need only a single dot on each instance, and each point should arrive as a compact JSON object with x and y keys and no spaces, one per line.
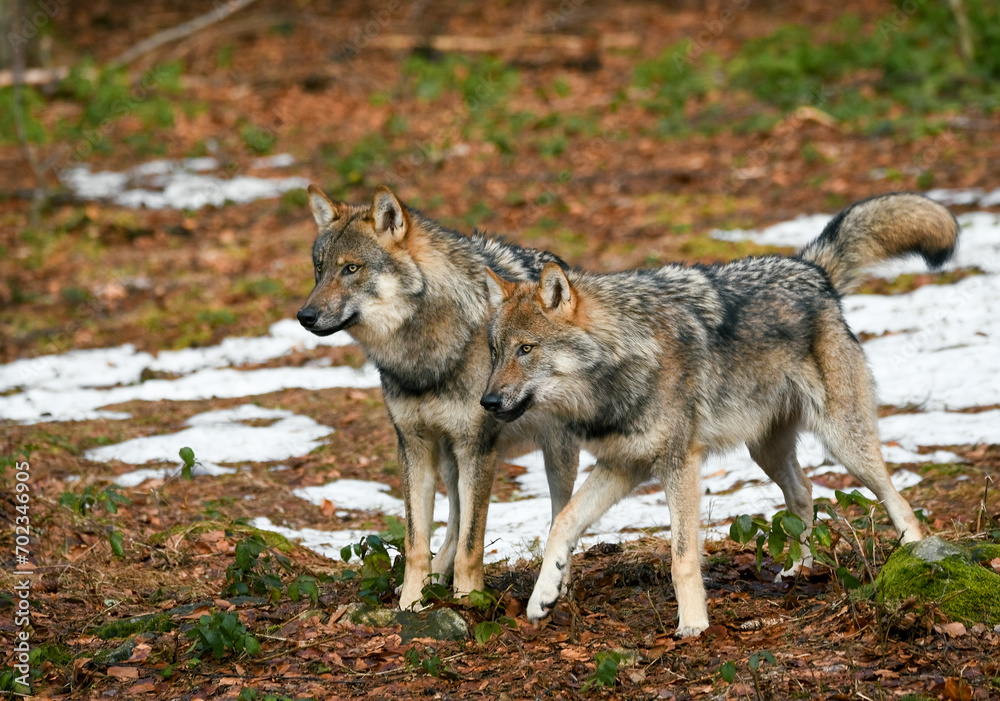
{"x":525,"y":349}
{"x":350,"y":269}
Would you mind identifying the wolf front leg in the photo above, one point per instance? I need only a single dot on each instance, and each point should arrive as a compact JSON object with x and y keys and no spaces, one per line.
{"x":418,"y":457}
{"x":604,"y":487}
{"x":477,"y":463}
{"x":680,"y":477}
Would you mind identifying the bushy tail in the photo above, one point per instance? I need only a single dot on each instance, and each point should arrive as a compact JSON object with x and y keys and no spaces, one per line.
{"x":880,"y":228}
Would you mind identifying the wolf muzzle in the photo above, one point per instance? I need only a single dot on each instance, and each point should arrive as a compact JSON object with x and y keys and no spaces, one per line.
{"x":493,"y":403}
{"x":309,"y":317}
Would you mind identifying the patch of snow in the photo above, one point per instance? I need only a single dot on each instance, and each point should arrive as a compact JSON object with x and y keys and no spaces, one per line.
{"x":942,"y":428}
{"x":137,"y":477}
{"x":223,"y":437}
{"x":80,"y":404}
{"x":166,"y":184}
{"x":123,"y":365}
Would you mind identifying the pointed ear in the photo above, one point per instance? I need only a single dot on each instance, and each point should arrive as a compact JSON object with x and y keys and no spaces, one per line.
{"x":325,"y":211}
{"x":499,"y":288}
{"x":554,"y":290}
{"x":390,"y":217}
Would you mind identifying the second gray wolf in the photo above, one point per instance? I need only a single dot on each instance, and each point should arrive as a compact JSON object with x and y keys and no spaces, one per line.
{"x":413,"y":295}
{"x":655,"y":369}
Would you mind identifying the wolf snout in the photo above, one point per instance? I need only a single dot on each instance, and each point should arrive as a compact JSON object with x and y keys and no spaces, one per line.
{"x":308,"y":316}
{"x":491,"y":402}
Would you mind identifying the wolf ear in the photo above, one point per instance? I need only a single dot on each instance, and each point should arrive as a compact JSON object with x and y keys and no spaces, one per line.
{"x":390,"y":218}
{"x":554,"y":290}
{"x":325,"y":211}
{"x":498,"y":288}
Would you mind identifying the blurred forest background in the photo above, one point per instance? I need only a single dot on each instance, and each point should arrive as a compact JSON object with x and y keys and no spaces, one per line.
{"x":615,"y":134}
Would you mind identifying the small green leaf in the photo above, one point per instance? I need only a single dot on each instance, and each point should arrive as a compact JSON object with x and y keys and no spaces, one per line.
{"x":345,"y":553}
{"x":743,"y":529}
{"x":187,"y":455}
{"x":251,"y":645}
{"x":776,"y":542}
{"x":728,"y":672}
{"x":822,"y":534}
{"x":486,"y":631}
{"x":792,"y":525}
{"x":115,"y":538}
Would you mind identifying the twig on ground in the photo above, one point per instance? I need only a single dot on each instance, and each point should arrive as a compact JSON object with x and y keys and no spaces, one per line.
{"x":38,"y":198}
{"x":219,"y":13}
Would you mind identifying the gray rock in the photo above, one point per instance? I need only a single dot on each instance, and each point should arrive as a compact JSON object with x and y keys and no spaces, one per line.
{"x":935,"y":549}
{"x":438,"y":624}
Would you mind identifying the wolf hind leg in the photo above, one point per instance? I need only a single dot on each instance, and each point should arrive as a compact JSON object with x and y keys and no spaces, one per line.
{"x":848,"y":426}
{"x":680,"y":477}
{"x":775,"y":453}
{"x":605,"y":486}
{"x":562,"y":460}
{"x":443,"y":563}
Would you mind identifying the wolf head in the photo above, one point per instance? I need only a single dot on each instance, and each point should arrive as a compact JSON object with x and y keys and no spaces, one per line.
{"x":363,"y":267}
{"x":539,"y":345}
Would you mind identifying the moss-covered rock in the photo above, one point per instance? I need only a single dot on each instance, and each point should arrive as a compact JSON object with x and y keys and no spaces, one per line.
{"x":438,"y":624}
{"x":273,"y":540}
{"x":159,"y":622}
{"x":945,"y":574}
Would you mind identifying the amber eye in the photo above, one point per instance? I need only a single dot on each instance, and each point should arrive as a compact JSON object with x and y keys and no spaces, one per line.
{"x":351,"y":268}
{"x":525,"y":349}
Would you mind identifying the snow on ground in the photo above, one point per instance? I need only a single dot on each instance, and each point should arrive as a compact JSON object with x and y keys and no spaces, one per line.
{"x":219,"y":437}
{"x":935,"y":352}
{"x":179,"y":184}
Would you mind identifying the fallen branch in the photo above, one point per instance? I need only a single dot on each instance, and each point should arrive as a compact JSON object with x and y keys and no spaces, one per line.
{"x":46,"y":76}
{"x":469,"y":44}
{"x":181,"y":31}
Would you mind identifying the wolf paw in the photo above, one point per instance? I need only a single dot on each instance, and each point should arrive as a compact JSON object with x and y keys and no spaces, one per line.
{"x":691,"y":631}
{"x":548,"y":591}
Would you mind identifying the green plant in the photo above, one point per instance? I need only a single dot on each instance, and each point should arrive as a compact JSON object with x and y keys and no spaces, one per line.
{"x":783,"y":533}
{"x":257,"y":140}
{"x":606,"y":670}
{"x":430,"y":665}
{"x":258,"y":570}
{"x":85,"y":502}
{"x":221,"y":634}
{"x":493,"y":626}
{"x":380,"y":572}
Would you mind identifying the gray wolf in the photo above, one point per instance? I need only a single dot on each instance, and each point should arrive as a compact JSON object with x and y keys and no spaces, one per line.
{"x":655,"y":369}
{"x":413,"y":295}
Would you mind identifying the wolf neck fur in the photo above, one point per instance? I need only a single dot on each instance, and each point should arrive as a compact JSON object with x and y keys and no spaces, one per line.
{"x":441,"y":318}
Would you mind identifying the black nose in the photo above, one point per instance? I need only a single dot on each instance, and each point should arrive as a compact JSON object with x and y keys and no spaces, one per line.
{"x":308,"y":316}
{"x":491,"y":402}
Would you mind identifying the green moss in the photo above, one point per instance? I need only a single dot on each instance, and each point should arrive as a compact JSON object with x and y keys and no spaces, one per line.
{"x":945,"y":574}
{"x":271,"y":539}
{"x":124,"y":628}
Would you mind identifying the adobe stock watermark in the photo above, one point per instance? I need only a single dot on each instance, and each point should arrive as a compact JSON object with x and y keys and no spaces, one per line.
{"x":22,"y":578}
{"x":363,"y":33}
{"x":30,"y":25}
{"x":708,"y":35}
{"x":900,"y":15}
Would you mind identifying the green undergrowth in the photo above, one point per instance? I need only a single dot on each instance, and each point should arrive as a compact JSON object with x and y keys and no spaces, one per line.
{"x":907,"y":62}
